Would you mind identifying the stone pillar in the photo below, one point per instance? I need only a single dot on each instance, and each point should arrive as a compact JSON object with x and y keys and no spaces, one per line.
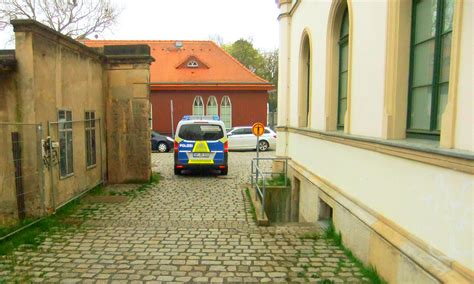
{"x":284,"y":74}
{"x":127,"y":109}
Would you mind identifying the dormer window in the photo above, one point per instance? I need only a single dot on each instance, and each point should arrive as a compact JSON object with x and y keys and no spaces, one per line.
{"x":193,"y":64}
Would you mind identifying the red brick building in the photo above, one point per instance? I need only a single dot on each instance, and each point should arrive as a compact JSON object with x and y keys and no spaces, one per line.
{"x":199,"y":77}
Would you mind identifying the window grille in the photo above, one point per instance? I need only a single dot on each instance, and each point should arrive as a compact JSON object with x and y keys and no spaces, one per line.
{"x":226,"y":112}
{"x":65,"y":143}
{"x":198,"y":106}
{"x":90,"y":127}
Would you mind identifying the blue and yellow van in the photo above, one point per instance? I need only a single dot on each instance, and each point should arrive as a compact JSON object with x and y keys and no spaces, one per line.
{"x":200,"y":143}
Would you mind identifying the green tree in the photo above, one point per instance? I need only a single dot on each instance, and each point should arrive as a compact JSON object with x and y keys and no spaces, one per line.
{"x":245,"y":53}
{"x":263,"y":64}
{"x":270,"y":73}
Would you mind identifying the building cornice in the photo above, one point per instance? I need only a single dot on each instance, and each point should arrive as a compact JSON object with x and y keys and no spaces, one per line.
{"x":24,"y":25}
{"x":291,"y":11}
{"x":237,"y":86}
{"x":7,"y":60}
{"x":457,"y":160}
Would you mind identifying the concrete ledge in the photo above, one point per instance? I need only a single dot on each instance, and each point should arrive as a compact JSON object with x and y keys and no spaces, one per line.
{"x":458,"y":160}
{"x":396,"y":253}
{"x":27,"y":25}
{"x":261,"y":221}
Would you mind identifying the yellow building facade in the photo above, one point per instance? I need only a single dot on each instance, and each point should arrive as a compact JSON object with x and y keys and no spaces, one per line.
{"x":375,"y":110}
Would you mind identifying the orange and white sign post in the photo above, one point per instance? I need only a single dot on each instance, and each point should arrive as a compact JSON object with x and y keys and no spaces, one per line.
{"x":258,"y":129}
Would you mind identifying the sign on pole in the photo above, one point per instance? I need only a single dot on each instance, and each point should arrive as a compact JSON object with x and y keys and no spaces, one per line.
{"x":258,"y":129}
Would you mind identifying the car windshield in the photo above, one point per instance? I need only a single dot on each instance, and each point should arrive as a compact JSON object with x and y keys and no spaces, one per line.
{"x":201,"y":132}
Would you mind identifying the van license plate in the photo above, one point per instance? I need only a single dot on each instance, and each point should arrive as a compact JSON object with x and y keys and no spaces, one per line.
{"x":200,"y":155}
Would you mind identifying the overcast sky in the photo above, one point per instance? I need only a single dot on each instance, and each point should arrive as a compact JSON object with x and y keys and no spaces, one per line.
{"x":193,"y":20}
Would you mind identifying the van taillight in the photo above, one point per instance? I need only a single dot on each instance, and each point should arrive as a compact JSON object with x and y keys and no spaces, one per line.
{"x":226,"y":147}
{"x":176,"y":147}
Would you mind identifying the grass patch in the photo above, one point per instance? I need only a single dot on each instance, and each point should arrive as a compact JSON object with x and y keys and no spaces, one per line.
{"x":98,"y":190}
{"x":7,"y":230}
{"x":310,"y":236}
{"x":154,"y":179}
{"x":277,"y":180}
{"x":370,"y":272}
{"x":333,"y":235}
{"x":325,"y":281}
{"x":36,"y":233}
{"x":252,"y":208}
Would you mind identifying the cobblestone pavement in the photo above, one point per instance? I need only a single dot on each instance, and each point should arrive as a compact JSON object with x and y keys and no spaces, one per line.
{"x":187,"y":228}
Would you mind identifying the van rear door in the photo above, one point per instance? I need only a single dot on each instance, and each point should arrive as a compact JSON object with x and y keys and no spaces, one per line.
{"x":202,"y":143}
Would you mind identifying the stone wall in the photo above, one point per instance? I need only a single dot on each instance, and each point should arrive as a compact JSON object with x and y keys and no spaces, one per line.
{"x":53,"y":72}
{"x":128,"y":104}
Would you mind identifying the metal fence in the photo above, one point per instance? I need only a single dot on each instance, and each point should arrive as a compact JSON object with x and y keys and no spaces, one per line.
{"x":21,"y":166}
{"x":272,"y":119}
{"x":261,"y":170}
{"x":74,"y":158}
{"x":43,"y":169}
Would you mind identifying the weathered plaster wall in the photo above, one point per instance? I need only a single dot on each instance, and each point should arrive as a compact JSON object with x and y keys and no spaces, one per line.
{"x":7,"y":174}
{"x":128,"y":132}
{"x":52,"y":73}
{"x":66,"y":77}
{"x":464,"y":138}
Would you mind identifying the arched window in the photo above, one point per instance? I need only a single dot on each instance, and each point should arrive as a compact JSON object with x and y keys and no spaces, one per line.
{"x":226,"y":112}
{"x":305,"y":83}
{"x":429,"y":67}
{"x":211,"y":108}
{"x":343,"y":70}
{"x":198,"y":106}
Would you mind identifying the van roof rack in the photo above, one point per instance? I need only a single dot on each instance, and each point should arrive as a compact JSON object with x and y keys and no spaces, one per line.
{"x":201,"y":117}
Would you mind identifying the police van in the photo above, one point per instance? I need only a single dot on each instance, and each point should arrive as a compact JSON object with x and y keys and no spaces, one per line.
{"x":200,"y":143}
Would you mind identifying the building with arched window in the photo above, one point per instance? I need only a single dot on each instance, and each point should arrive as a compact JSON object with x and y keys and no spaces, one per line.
{"x":199,"y":77}
{"x":379,"y":93}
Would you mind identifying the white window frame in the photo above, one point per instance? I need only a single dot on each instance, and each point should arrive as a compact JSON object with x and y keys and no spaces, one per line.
{"x":198,"y":106}
{"x":91,"y":143}
{"x":65,"y":128}
{"x":211,"y":107}
{"x":226,"y":104}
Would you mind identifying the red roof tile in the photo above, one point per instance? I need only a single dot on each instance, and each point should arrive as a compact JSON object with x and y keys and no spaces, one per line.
{"x":220,"y":67}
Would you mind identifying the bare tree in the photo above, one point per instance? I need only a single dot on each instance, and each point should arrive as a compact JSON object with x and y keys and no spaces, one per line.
{"x":74,"y":18}
{"x":217,"y":38}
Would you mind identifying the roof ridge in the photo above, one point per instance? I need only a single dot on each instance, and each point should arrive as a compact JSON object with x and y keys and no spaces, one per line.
{"x":238,"y":62}
{"x":143,"y":40}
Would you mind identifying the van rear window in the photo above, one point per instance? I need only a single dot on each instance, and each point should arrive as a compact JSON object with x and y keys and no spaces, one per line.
{"x":201,"y":132}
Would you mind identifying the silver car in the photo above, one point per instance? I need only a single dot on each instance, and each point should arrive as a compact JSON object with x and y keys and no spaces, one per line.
{"x":242,"y":138}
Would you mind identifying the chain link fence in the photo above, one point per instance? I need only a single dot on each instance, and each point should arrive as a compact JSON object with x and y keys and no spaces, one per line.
{"x":74,"y":155}
{"x":43,"y":169}
{"x":21,"y":172}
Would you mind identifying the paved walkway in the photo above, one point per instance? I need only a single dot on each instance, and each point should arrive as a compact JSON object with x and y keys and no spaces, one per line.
{"x":186,"y":229}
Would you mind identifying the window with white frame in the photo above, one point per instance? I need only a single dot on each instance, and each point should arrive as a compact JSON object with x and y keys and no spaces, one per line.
{"x":211,"y":108}
{"x":226,"y":112}
{"x":65,"y":143}
{"x":90,"y":126}
{"x":198,"y":106}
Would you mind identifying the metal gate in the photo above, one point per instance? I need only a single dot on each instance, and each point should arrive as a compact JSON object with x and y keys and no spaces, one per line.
{"x":21,"y":172}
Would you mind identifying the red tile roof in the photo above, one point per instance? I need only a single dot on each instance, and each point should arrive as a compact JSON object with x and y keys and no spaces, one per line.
{"x":216,"y":67}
